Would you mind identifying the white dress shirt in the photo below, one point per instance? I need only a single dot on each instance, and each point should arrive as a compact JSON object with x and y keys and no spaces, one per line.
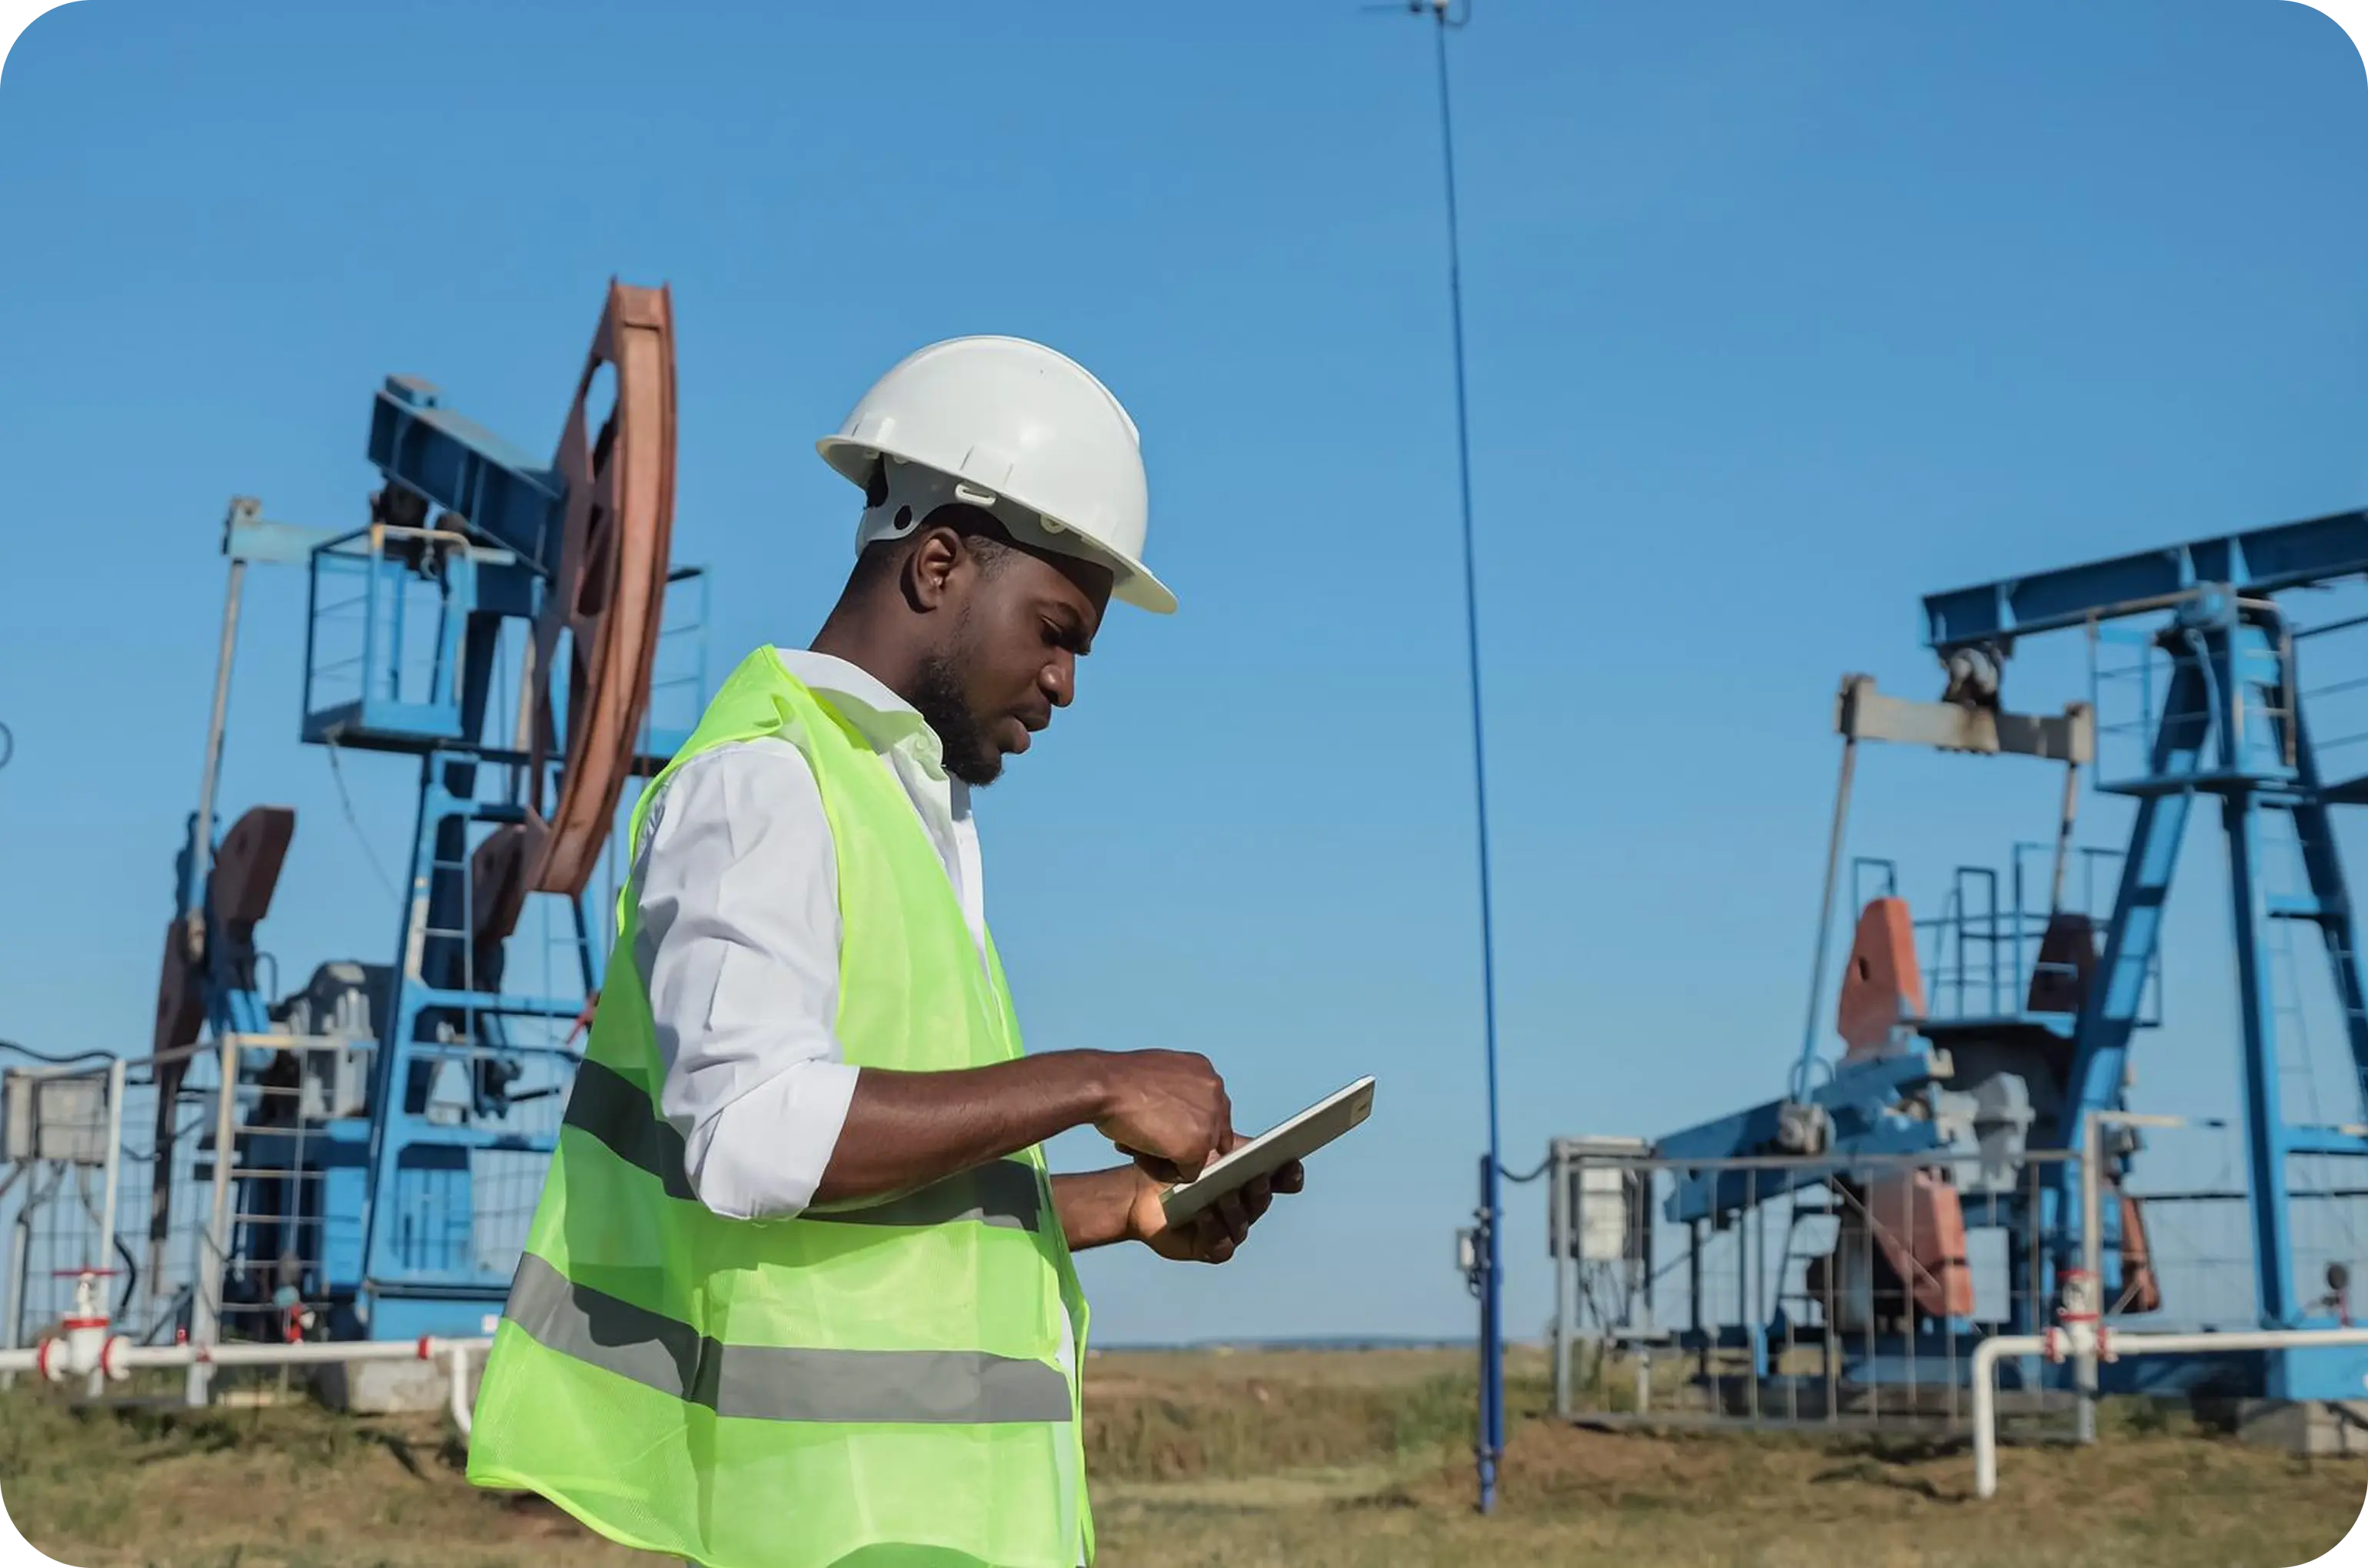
{"x":736,"y":885}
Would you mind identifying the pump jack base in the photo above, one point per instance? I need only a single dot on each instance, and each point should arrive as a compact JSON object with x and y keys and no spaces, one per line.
{"x":2324,"y":1428}
{"x":387,"y":1388}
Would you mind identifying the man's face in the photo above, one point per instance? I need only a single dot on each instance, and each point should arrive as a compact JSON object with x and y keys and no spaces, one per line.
{"x":1022,"y":624}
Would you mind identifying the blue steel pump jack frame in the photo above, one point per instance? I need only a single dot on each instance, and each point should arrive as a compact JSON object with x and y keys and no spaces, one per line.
{"x":2231,"y":726}
{"x":383,"y":1191}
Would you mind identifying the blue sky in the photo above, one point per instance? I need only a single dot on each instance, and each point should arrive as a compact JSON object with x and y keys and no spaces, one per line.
{"x":1779,"y":318}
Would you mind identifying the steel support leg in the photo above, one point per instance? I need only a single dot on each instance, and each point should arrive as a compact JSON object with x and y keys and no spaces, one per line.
{"x":1491,"y":1445}
{"x":2264,"y":1115}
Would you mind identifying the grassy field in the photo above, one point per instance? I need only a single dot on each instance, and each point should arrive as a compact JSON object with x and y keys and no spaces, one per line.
{"x":1313,"y":1460}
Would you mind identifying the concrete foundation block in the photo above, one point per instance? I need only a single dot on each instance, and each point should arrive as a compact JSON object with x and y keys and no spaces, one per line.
{"x":2303,"y":1427}
{"x":383,"y":1387}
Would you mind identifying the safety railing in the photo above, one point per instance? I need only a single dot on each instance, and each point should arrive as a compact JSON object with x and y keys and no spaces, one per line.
{"x":192,"y":1203}
{"x":2130,"y":667}
{"x":1836,"y":1294}
{"x":1850,"y":1292}
{"x":382,"y":646}
{"x":97,"y":1179}
{"x":1983,"y":954}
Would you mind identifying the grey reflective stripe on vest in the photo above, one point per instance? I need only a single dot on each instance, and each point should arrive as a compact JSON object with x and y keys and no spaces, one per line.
{"x":614,"y":1109}
{"x":1002,"y":1193}
{"x":763,"y":1382}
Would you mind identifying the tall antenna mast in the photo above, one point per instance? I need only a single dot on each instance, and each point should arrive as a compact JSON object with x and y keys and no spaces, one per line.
{"x":1448,"y":16}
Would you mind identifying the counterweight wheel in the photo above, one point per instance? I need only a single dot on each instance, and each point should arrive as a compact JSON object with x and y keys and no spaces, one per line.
{"x":608,"y":597}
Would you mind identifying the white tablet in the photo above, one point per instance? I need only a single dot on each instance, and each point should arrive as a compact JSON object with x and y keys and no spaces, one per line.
{"x":1270,"y":1151}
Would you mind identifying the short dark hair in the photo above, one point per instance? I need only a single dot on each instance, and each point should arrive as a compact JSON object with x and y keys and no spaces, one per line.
{"x":981,"y":533}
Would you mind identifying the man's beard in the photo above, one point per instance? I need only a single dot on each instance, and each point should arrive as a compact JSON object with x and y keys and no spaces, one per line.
{"x":937,"y":695}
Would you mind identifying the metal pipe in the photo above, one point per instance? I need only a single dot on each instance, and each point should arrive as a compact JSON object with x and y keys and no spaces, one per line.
{"x":1837,"y":1164}
{"x":1985,"y":1360}
{"x":1694,"y":1295}
{"x":113,"y":1187}
{"x":523,"y":789}
{"x":1909,"y":1276}
{"x":2015,"y":926}
{"x":2092,"y":1236}
{"x":201,"y":831}
{"x":1492,"y":1353}
{"x":1755,"y":1329}
{"x":306,"y":1353}
{"x":114,"y":1077}
{"x":1988,"y":1355}
{"x":1873,"y":1304}
{"x":1825,"y":916}
{"x":20,"y":1243}
{"x":1490,"y":1438}
{"x":206,"y":1314}
{"x":2092,"y":1260}
{"x":456,"y":1366}
{"x":115,"y":1159}
{"x":1637,"y":1295}
{"x":313,"y":1352}
{"x":1830,"y":1343}
{"x":2063,"y":843}
{"x":2290,"y":717}
{"x":1558,"y":1225}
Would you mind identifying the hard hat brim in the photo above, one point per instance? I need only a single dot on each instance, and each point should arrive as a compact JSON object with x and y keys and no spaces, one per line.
{"x":1133,"y":582}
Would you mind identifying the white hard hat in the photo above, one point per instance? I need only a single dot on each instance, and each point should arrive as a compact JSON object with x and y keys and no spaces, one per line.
{"x":1015,"y":429}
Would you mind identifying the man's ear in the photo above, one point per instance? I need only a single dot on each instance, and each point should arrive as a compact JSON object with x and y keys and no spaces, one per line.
{"x":930,"y":568}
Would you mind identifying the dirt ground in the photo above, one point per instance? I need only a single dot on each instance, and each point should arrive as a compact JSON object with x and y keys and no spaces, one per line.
{"x":1313,"y":1460}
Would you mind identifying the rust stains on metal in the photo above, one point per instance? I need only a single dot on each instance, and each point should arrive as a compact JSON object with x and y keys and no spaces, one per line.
{"x":608,"y":597}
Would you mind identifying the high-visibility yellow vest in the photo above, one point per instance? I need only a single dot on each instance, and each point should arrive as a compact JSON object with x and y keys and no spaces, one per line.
{"x":877,"y":1385}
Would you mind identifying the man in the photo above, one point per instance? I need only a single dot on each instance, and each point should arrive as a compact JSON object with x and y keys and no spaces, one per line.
{"x":799,"y":1290}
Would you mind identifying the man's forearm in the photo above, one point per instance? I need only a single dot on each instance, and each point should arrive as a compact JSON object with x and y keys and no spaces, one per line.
{"x":906,"y":1129}
{"x":1094,"y":1205}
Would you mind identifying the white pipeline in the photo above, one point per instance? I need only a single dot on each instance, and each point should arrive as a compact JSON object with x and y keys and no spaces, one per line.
{"x":453,"y":1353}
{"x":456,"y":1364}
{"x":1988,"y":1355}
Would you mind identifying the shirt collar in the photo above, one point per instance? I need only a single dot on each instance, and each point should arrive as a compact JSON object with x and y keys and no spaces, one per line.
{"x":884,"y":719}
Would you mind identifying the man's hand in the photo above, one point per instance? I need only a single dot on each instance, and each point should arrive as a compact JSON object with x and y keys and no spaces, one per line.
{"x":1169,"y":1111}
{"x":1212,"y":1235}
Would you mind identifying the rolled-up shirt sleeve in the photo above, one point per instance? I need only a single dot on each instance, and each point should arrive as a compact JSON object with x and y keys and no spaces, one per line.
{"x":735,"y":887}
